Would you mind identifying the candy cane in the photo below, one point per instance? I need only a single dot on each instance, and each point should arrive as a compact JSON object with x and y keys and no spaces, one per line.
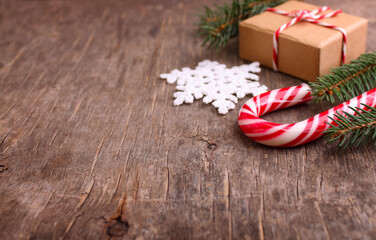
{"x":294,"y":134}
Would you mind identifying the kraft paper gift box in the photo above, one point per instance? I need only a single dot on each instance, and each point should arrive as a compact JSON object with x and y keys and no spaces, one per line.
{"x":305,"y":50}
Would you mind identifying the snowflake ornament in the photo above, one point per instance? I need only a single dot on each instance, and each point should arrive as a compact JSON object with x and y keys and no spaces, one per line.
{"x":215,"y":84}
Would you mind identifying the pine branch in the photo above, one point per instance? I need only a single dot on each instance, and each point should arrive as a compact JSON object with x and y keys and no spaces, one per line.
{"x":353,"y":130}
{"x":347,"y":81}
{"x":220,"y":25}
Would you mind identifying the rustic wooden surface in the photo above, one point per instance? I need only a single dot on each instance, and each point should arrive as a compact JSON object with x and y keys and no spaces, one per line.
{"x":91,"y":146}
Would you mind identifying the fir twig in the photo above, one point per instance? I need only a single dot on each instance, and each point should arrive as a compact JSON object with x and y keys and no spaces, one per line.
{"x":353,"y":130}
{"x":221,"y":24}
{"x":347,"y":81}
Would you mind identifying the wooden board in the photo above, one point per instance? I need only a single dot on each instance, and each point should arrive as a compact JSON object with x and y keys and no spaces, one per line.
{"x":91,"y":146}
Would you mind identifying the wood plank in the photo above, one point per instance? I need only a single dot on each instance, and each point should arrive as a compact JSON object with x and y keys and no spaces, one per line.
{"x":91,"y":146}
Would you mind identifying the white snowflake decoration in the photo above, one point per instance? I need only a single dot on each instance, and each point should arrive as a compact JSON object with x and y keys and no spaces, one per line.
{"x":215,"y":83}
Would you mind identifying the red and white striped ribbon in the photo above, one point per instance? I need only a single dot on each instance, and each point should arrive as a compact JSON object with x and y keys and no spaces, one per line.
{"x":308,"y":16}
{"x":290,"y":135}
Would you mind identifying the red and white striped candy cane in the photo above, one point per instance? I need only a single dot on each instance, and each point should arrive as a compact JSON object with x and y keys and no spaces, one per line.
{"x":309,"y":16}
{"x":294,"y":134}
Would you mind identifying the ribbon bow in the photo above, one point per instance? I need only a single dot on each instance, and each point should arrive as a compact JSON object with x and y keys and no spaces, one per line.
{"x":308,"y":16}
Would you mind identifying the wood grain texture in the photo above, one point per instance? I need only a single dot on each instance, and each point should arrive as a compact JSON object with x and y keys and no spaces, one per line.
{"x":91,"y":146}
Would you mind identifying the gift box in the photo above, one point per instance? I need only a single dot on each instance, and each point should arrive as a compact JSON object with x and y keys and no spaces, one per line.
{"x":305,"y":50}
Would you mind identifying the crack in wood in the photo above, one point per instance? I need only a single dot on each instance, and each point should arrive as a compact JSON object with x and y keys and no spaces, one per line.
{"x":96,"y":156}
{"x":167,"y":176}
{"x":10,"y":108}
{"x":260,"y":217}
{"x":317,"y":206}
{"x":6,"y":135}
{"x":14,"y":59}
{"x":117,"y":225}
{"x":3,"y":168}
{"x":228,"y":201}
{"x":84,"y":50}
{"x":85,"y":195}
{"x":153,"y":60}
{"x":136,"y":185}
{"x":210,"y":143}
{"x":70,"y":225}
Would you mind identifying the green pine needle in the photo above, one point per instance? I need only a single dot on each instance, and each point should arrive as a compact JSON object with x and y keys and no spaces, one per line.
{"x":347,"y":81}
{"x":344,"y":83}
{"x":220,"y":25}
{"x":353,"y":130}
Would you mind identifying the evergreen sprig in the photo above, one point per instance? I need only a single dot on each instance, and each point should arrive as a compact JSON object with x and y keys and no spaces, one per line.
{"x":344,"y":83}
{"x":347,"y":81}
{"x":221,"y":24}
{"x":353,"y":130}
